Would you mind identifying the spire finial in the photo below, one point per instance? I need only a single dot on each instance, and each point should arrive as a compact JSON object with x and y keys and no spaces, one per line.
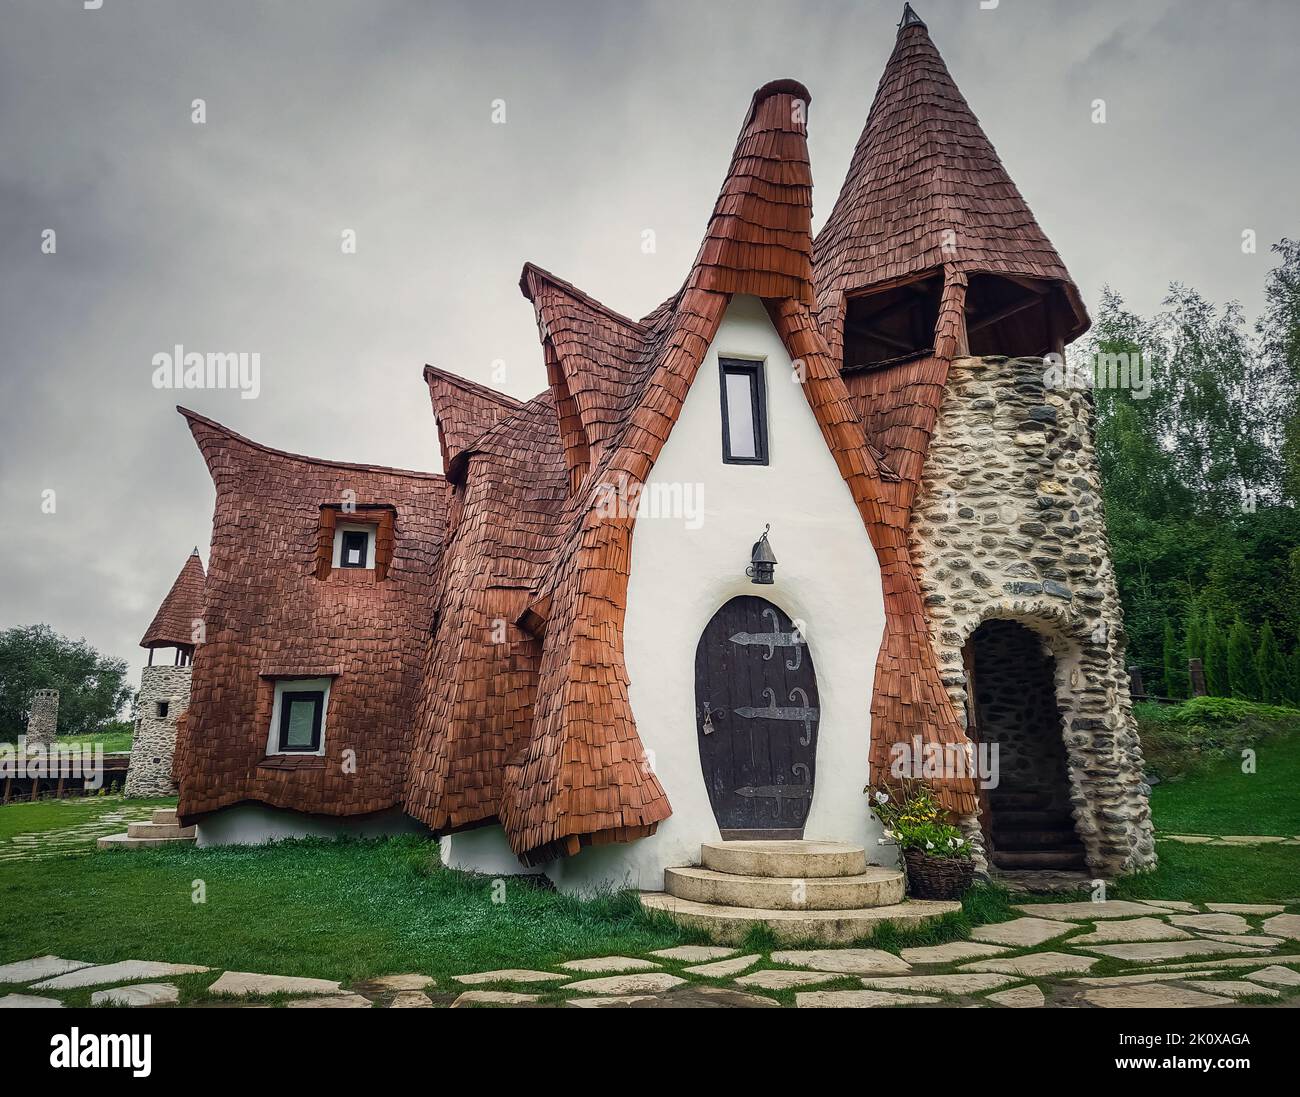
{"x":910,"y":18}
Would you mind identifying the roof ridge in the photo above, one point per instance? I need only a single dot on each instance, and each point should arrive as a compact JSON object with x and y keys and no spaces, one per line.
{"x":568,"y":287}
{"x":194,"y":417}
{"x":476,"y":387}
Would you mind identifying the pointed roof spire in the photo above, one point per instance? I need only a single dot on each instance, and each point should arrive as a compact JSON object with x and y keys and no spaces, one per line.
{"x":926,"y":191}
{"x":759,"y":239}
{"x":173,"y":624}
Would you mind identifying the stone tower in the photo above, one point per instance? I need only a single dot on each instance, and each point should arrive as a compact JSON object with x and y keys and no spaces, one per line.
{"x":165,"y":689}
{"x":43,"y":718}
{"x":950,"y":311}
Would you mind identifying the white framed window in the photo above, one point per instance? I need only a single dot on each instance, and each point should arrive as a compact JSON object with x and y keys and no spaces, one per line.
{"x":354,"y":545}
{"x":298,"y":716}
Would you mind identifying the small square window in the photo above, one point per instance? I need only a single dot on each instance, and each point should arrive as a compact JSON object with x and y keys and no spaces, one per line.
{"x":162,"y":710}
{"x":298,"y":716}
{"x":744,"y":412}
{"x":354,"y":546}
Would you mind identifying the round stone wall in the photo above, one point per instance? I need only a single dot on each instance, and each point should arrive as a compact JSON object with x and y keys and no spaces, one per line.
{"x":1009,"y":524}
{"x":154,"y":743}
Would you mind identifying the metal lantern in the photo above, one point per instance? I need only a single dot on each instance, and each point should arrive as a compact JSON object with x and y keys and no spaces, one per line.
{"x":762,"y":561}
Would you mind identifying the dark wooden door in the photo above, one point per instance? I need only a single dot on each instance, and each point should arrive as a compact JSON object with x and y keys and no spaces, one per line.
{"x":756,"y":715}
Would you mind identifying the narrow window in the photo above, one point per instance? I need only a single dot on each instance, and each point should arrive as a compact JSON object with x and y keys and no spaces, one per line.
{"x":355,"y":544}
{"x":301,"y":713}
{"x":162,"y":710}
{"x":744,"y":413}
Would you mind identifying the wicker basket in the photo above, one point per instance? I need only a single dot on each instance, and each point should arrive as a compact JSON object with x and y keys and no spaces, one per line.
{"x":937,"y":877}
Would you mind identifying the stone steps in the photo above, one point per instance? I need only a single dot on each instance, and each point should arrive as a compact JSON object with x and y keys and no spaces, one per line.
{"x":729,"y":925}
{"x":876,"y":887}
{"x":801,"y":891}
{"x":162,"y":829}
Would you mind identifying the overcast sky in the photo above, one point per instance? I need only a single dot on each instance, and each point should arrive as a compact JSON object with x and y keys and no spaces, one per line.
{"x":376,"y":116}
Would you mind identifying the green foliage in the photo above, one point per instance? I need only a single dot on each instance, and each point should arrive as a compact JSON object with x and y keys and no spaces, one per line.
{"x":92,"y":687}
{"x":914,"y":818}
{"x":1200,"y":478}
{"x":1181,"y":739}
{"x":1217,"y":680}
{"x":1175,"y":660}
{"x":1273,"y":684}
{"x":1243,"y":675}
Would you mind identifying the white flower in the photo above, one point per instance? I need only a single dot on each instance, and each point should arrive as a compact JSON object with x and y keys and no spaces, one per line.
{"x":929,"y":845}
{"x":882,"y":798}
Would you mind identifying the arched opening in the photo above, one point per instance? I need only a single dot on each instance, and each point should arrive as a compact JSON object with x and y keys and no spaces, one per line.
{"x":1012,"y":705}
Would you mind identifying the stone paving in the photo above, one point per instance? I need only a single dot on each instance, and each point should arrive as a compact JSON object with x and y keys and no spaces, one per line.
{"x":1231,"y":839}
{"x":1153,"y":953}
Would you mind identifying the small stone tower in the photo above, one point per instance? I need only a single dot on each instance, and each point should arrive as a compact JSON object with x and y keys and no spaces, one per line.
{"x":43,"y":718}
{"x":165,"y":689}
{"x":949,"y":309}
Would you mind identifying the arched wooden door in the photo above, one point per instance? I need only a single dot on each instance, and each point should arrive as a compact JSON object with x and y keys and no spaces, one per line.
{"x":756,"y":716}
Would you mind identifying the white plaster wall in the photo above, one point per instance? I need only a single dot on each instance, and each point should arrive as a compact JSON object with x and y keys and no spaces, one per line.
{"x":257,"y":824}
{"x":827,"y":577}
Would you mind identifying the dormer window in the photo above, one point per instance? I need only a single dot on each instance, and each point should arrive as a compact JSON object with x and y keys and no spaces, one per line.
{"x":354,"y":546}
{"x":744,"y":412}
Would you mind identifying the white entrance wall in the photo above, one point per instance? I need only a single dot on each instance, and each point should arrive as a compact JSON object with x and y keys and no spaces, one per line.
{"x":827,"y":578}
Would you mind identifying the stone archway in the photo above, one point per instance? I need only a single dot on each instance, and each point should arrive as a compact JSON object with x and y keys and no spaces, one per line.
{"x":1012,"y":707}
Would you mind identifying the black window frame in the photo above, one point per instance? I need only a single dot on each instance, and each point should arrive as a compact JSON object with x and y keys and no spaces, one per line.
{"x":758,"y":409}
{"x":287,"y":699}
{"x":162,"y":709}
{"x":365,"y":536}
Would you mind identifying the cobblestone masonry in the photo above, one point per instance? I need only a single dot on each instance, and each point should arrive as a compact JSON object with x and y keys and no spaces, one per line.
{"x":150,"y":772}
{"x":43,"y":717}
{"x":1010,"y":525}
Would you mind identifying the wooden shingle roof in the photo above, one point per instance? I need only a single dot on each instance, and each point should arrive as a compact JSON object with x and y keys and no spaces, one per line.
{"x":925,"y":190}
{"x":173,"y":624}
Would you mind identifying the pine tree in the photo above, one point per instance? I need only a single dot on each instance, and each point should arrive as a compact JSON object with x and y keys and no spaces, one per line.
{"x":1243,"y":674}
{"x":1175,"y":664}
{"x":1195,"y":644}
{"x":1216,"y":658}
{"x":1273,"y":683}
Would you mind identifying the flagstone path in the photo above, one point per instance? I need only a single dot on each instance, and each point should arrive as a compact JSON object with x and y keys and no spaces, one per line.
{"x":1152,"y":953}
{"x":78,"y":838}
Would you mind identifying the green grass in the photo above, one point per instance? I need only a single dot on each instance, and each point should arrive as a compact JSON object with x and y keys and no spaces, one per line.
{"x":115,"y":740}
{"x":337,"y":910}
{"x":1221,"y":799}
{"x":1219,"y":874}
{"x":41,"y":815}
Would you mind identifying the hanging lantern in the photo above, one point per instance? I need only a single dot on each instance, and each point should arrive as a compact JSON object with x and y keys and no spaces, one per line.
{"x":762,"y":561}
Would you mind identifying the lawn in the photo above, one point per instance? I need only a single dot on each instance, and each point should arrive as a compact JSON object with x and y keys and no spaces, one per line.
{"x":118,"y":739}
{"x":39,"y":816}
{"x":1221,"y":799}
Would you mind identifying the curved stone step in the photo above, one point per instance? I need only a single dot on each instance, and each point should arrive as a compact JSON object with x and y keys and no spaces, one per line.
{"x":164,"y":815}
{"x":797,"y":860}
{"x":729,"y":925}
{"x":876,"y":887}
{"x":126,"y":841}
{"x":159,"y":830}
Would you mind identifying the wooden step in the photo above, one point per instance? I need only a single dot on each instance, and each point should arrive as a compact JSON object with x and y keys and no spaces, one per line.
{"x":1019,"y":801}
{"x":729,"y":924}
{"x":876,"y":887}
{"x":1059,"y":838}
{"x":1056,"y":859}
{"x":789,"y":859}
{"x":1032,"y":820}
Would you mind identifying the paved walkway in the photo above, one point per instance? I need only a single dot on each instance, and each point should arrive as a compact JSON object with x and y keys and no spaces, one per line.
{"x":1231,"y":839}
{"x":76,"y":838}
{"x":1108,"y":954}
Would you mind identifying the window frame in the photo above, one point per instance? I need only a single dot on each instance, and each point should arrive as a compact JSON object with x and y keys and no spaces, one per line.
{"x":161,"y":709}
{"x":352,"y":535}
{"x":285,"y":690}
{"x":753,"y":369}
{"x":341,"y":530}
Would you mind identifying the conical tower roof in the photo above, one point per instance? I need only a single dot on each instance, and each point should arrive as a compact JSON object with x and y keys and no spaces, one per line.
{"x":173,"y":624}
{"x":926,"y":191}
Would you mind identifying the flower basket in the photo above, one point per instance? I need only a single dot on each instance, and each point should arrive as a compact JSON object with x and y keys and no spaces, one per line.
{"x":937,"y":877}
